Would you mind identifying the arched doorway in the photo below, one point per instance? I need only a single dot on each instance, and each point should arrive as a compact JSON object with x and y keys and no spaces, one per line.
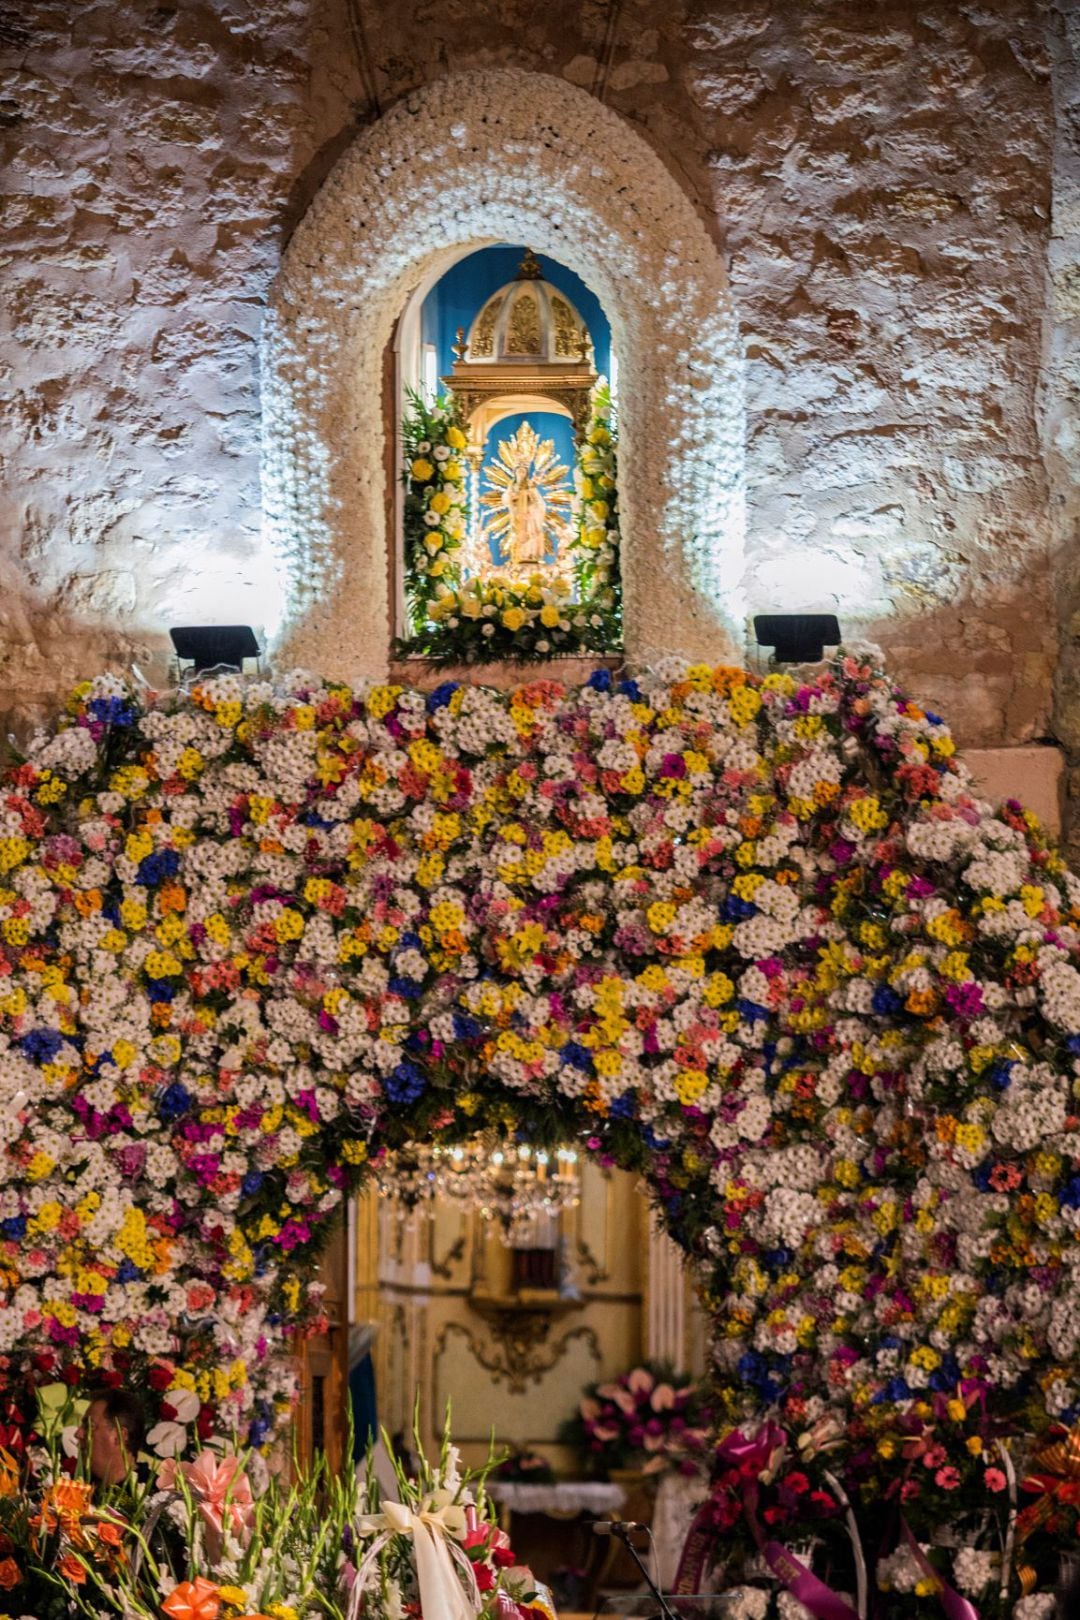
{"x":371,"y":237}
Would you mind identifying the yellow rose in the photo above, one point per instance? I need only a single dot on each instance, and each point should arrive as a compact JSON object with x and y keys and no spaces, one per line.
{"x":422,"y":470}
{"x":455,"y":438}
{"x":436,"y":566}
{"x":549,"y":615}
{"x":439,"y":502}
{"x":513,"y":618}
{"x":452,"y":471}
{"x":434,"y":540}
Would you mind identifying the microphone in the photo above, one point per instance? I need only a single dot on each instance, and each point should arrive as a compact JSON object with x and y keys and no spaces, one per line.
{"x":617,"y":1527}
{"x":622,"y":1530}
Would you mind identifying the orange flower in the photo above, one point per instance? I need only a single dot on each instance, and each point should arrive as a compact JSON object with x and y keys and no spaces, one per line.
{"x":9,"y":1474}
{"x":10,"y":1574}
{"x":71,"y":1568}
{"x":111,"y":1534}
{"x":193,"y":1600}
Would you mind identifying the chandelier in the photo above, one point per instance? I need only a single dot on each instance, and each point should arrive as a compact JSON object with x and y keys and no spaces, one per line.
{"x":515,"y":1183}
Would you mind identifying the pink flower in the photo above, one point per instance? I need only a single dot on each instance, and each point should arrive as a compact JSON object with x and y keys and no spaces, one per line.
{"x":947,"y":1478}
{"x":995,"y":1479}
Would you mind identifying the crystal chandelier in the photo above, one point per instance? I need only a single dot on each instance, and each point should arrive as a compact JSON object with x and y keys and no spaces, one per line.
{"x":502,"y":1179}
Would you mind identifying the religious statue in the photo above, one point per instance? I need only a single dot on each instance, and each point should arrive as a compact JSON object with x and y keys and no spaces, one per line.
{"x":529,"y":501}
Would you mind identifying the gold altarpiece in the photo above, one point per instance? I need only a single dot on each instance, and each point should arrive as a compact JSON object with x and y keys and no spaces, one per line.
{"x":528,"y":351}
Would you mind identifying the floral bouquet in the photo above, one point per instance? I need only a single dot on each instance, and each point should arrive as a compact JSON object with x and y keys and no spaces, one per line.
{"x":769,"y":1490}
{"x":216,"y":1538}
{"x":523,"y":1467}
{"x":650,"y":1418}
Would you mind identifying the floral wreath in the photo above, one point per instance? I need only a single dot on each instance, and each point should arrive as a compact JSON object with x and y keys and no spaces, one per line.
{"x":753,"y":937}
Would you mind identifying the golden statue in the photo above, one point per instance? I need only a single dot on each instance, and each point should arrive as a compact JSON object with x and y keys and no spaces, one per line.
{"x":528,"y":500}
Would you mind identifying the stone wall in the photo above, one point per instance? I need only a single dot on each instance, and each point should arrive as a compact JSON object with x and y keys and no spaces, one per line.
{"x":879,"y":175}
{"x":1061,"y":395}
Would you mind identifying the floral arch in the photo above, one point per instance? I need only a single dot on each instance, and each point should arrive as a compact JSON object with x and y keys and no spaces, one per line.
{"x":752,"y":937}
{"x":594,"y":195}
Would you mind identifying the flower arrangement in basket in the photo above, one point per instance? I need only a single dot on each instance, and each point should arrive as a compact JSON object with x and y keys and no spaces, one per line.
{"x":943,"y":1486}
{"x":217,"y":1538}
{"x":774,"y":1512}
{"x":650,"y":1419}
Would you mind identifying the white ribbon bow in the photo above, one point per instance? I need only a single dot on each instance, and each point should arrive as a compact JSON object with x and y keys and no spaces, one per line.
{"x":435,"y":1530}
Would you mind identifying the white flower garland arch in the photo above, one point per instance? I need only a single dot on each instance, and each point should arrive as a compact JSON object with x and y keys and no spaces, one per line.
{"x":475,"y":158}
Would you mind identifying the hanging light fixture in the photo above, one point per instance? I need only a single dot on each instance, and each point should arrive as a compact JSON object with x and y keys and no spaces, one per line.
{"x":515,"y":1183}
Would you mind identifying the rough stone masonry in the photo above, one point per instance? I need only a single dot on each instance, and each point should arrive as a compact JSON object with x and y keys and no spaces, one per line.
{"x":895,"y":187}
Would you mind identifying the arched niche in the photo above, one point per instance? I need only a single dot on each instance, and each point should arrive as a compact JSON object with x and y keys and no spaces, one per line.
{"x":502,"y":155}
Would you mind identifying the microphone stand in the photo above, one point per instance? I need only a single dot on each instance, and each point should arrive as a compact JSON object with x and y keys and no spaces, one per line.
{"x":622,"y":1533}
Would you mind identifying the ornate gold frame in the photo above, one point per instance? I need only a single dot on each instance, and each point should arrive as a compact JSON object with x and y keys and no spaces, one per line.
{"x":487,"y":391}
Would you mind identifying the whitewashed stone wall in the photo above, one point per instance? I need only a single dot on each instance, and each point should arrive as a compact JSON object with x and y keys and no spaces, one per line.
{"x":879,"y":177}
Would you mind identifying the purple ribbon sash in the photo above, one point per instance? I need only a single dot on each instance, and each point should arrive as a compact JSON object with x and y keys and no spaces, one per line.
{"x":803,"y":1584}
{"x":955,"y":1606}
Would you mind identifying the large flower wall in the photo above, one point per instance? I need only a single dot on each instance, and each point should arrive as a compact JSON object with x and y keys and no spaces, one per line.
{"x":753,"y":936}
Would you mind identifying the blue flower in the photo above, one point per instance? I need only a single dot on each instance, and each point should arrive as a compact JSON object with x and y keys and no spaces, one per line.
{"x":128,"y":1271}
{"x":749,"y":1011}
{"x":982,"y":1173}
{"x":885,"y":1001}
{"x":600,"y":680}
{"x":112,"y":710}
{"x":1070,"y":1193}
{"x":160,"y":990}
{"x":408,"y":988}
{"x":441,"y":696}
{"x":630,"y":689}
{"x":1001,"y":1074}
{"x":42,"y":1045}
{"x":155,"y":868}
{"x":624,"y":1107}
{"x":895,"y":1390}
{"x":175,"y":1101}
{"x":657,"y":1143}
{"x":577,"y":1056}
{"x":466,"y":1028}
{"x":406,"y":1084}
{"x":734,"y":909}
{"x":14,"y":1228}
{"x":252,"y":1182}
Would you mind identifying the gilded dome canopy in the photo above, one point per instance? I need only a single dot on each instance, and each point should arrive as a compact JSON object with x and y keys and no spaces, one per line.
{"x":527,"y":320}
